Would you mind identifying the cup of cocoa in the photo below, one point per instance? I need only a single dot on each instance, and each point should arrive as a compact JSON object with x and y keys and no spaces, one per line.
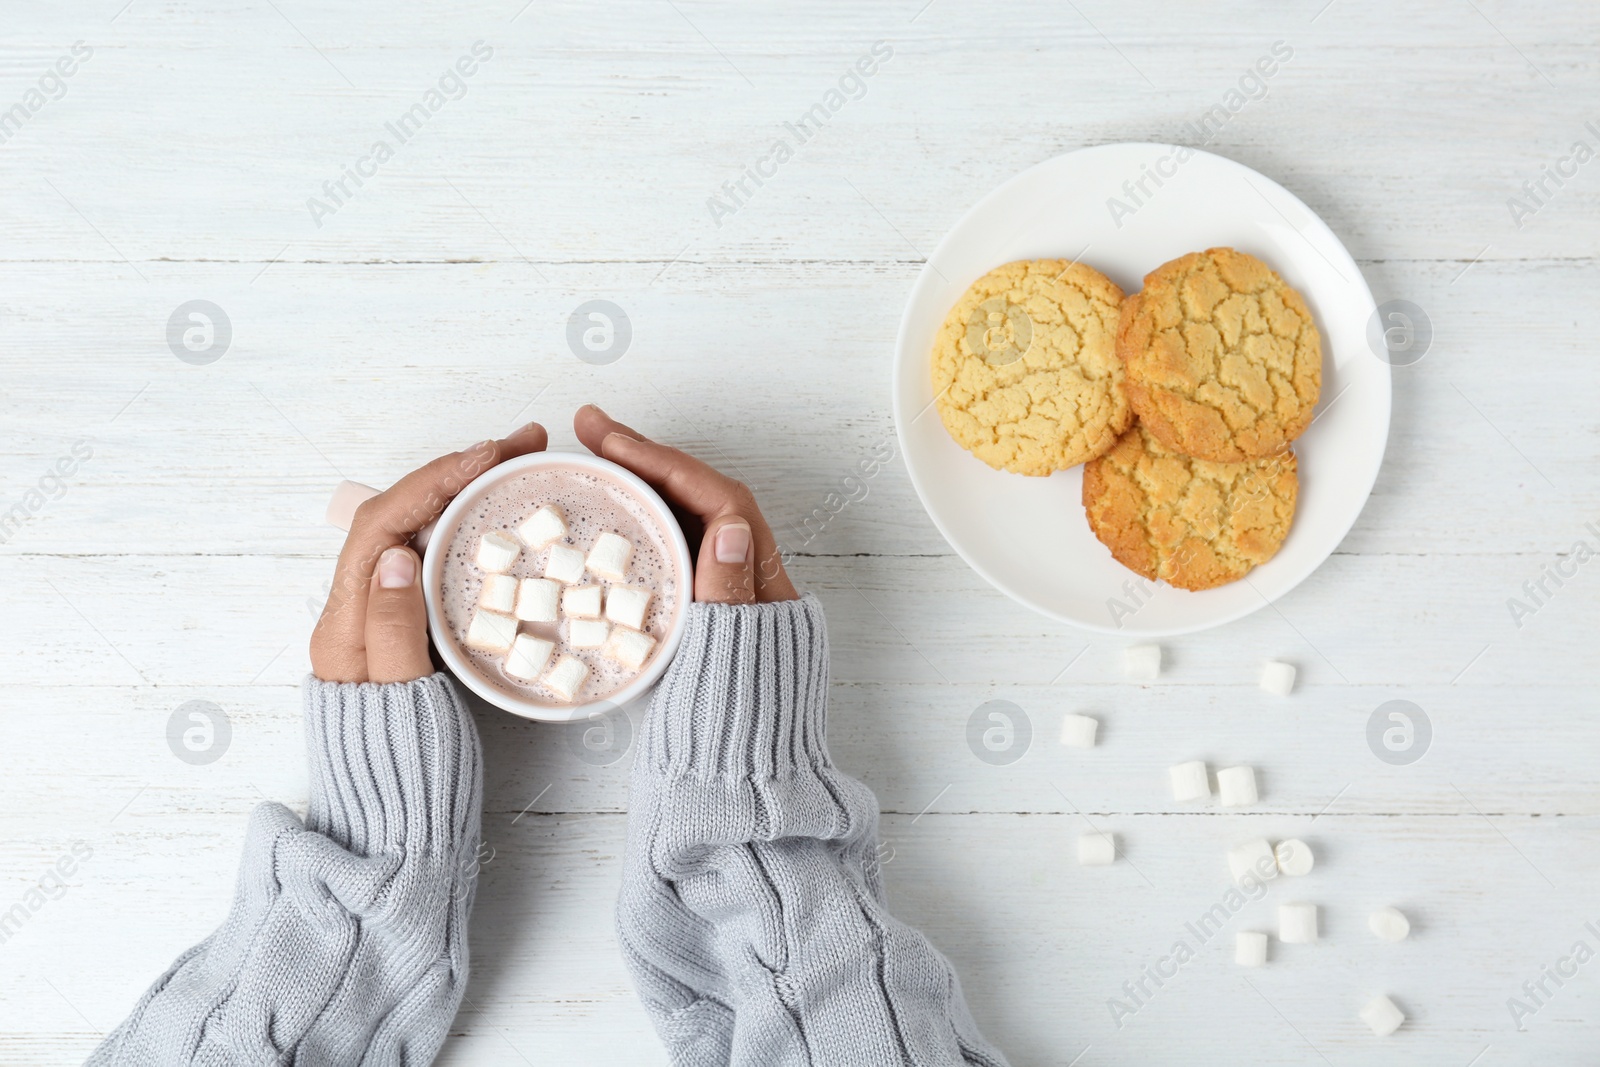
{"x":558,"y":586}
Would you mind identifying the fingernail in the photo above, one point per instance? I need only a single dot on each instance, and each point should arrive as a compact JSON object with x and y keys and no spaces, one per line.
{"x":733,"y":542}
{"x":397,"y":569}
{"x":613,"y":435}
{"x":524,"y":428}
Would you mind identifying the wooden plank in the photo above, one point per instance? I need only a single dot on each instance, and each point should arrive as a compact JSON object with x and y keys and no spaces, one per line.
{"x":262,"y":107}
{"x":1400,"y":621}
{"x":909,"y":743}
{"x":248,"y":448}
{"x":1040,"y":943}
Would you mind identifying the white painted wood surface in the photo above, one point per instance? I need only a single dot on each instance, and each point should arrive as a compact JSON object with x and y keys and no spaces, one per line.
{"x":430,"y":311}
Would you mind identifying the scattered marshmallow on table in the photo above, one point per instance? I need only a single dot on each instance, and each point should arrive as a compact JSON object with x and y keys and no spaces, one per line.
{"x":491,"y":632}
{"x":542,"y":527}
{"x":1190,"y":781}
{"x":1097,"y":849}
{"x":1253,"y":857}
{"x":497,"y":552}
{"x":499,"y":593}
{"x":587,"y":633}
{"x":629,"y":647}
{"x":1236,"y":786}
{"x":528,"y":656}
{"x":566,"y":677}
{"x":1381,"y":1014}
{"x":1250,"y":948}
{"x":626,"y":605}
{"x":1389,"y":924}
{"x":581,"y":601}
{"x":1294,"y":857}
{"x":608,"y":558}
{"x":537,"y":599}
{"x":1277,"y":678}
{"x":1142,"y":663}
{"x":1077,"y":731}
{"x":1297,"y":923}
{"x":565,"y":565}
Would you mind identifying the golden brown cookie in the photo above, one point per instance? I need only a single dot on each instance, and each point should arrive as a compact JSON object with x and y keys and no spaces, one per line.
{"x":1188,"y":522}
{"x":1223,"y":359}
{"x":1025,"y":370}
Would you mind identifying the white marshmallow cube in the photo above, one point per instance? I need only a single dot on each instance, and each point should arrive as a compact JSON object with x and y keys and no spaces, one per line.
{"x":499,"y":593}
{"x":1142,"y":663}
{"x":491,"y":632}
{"x":542,"y":527}
{"x":609,"y":556}
{"x":497,"y":551}
{"x":528,"y":656}
{"x":581,"y":602}
{"x":1077,"y":731}
{"x":564,"y":564}
{"x":566,"y":677}
{"x":1097,"y":850}
{"x":1252,"y":858}
{"x":1236,"y":786}
{"x":537,"y":599}
{"x":626,"y":605}
{"x":1190,"y":782}
{"x":1297,"y":923}
{"x":1389,"y":924}
{"x":1382,"y":1016}
{"x":629,"y":647}
{"x":1250,"y":948}
{"x":587,"y":633}
{"x":1294,"y":857}
{"x":1277,"y":678}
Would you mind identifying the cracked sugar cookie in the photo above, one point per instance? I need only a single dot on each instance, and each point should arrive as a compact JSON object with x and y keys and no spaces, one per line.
{"x":1223,"y":359}
{"x":1191,"y":523}
{"x":1025,"y":369}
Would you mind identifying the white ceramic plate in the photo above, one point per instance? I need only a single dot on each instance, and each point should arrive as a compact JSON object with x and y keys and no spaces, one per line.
{"x":1028,"y":536}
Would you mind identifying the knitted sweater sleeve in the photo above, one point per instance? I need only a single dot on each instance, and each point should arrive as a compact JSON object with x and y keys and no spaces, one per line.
{"x":752,"y":915}
{"x":347,"y":939}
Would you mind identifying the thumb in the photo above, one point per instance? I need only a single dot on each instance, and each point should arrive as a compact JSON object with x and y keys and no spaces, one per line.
{"x":726,"y":571}
{"x":397,"y":620}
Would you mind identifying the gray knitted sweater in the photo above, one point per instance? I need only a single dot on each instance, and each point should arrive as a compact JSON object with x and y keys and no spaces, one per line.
{"x":751,"y":913}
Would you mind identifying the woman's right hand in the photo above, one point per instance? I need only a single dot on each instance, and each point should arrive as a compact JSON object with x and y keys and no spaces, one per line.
{"x":374,"y":627}
{"x":738,"y":557}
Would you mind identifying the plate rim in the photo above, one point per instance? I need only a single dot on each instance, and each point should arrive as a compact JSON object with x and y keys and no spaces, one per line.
{"x":901,"y":421}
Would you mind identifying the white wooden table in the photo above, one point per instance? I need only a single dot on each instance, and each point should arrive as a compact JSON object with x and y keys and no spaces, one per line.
{"x":185,"y":558}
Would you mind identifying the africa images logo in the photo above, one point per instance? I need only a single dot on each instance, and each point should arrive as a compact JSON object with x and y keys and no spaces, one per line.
{"x":451,"y":85}
{"x":851,"y":85}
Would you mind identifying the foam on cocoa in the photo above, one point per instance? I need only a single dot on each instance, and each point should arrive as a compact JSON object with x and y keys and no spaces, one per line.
{"x":592,"y":504}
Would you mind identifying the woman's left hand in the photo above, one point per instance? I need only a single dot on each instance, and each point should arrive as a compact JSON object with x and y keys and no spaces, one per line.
{"x":374,"y":627}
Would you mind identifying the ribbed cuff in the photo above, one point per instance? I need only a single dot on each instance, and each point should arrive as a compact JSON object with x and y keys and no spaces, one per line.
{"x":746,"y":698}
{"x":392,"y":766}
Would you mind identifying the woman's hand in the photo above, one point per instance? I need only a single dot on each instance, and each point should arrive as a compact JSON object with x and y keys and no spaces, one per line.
{"x":374,"y":627}
{"x":739,"y":561}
